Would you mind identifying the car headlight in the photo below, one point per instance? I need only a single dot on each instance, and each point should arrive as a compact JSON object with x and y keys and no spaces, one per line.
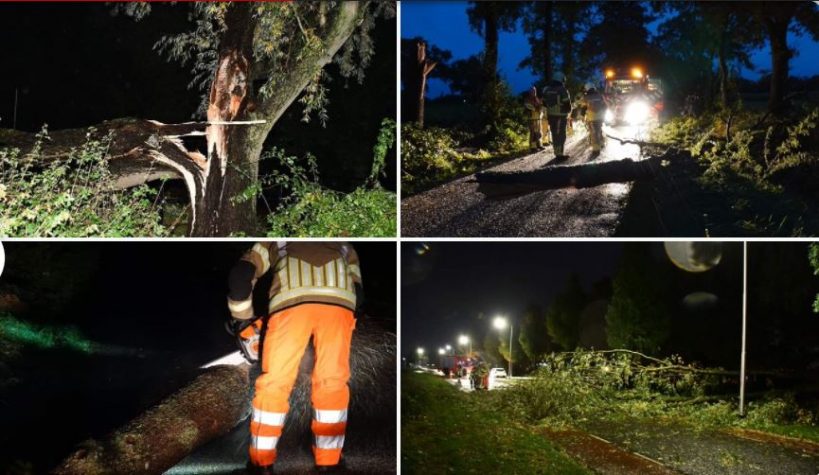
{"x":637,"y":112}
{"x":608,"y":117}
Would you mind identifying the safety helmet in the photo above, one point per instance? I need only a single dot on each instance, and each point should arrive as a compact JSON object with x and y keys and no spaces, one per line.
{"x":558,"y":77}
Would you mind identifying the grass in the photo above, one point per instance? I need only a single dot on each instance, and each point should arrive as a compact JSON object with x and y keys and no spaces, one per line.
{"x":443,"y":431}
{"x":805,"y":432}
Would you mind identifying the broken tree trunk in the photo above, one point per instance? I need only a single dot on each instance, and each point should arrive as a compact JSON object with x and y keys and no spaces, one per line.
{"x":419,"y":71}
{"x":208,"y":407}
{"x":239,"y":120}
{"x":499,"y":184}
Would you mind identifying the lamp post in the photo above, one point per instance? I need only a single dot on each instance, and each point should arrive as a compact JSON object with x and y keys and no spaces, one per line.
{"x":420,"y":352}
{"x":500,"y":323}
{"x":744,"y":327}
{"x":448,"y":348}
{"x":464,"y":340}
{"x":441,"y":351}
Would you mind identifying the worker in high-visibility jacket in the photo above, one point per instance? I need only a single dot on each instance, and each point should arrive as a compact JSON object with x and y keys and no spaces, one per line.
{"x":558,"y":104}
{"x":594,"y":105}
{"x":534,"y":108}
{"x":315,"y":292}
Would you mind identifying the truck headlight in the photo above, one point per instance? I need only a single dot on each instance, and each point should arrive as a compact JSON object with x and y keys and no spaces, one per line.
{"x":608,"y":117}
{"x":637,"y":112}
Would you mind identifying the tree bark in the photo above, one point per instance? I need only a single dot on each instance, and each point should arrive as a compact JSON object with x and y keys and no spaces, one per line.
{"x":419,"y":71}
{"x":777,"y":28}
{"x":546,"y":12}
{"x":723,"y":63}
{"x":155,"y":441}
{"x":219,"y":399}
{"x":238,"y":124}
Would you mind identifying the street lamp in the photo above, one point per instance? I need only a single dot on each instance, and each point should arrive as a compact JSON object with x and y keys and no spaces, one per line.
{"x":500,"y":323}
{"x":441,"y":351}
{"x":420,"y":351}
{"x":448,"y":348}
{"x":464,"y":340}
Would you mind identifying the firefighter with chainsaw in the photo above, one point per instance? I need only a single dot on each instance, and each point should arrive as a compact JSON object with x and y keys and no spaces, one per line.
{"x":316,"y":292}
{"x":534,"y":108}
{"x":558,"y":104}
{"x":594,"y":105}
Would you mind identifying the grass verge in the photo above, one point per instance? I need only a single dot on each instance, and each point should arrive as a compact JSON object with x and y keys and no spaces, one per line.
{"x":443,"y":431}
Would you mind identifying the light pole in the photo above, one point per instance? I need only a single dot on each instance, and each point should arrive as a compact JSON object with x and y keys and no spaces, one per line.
{"x":744,"y":327}
{"x":448,"y":348}
{"x":441,"y":351}
{"x":500,"y":323}
{"x":464,"y":340}
{"x":420,"y":352}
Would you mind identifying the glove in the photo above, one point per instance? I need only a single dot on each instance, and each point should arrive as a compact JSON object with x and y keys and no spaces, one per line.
{"x":248,"y":337}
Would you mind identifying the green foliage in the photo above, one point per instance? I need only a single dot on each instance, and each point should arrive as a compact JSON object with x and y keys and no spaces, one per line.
{"x":383,"y":144}
{"x":446,"y":431}
{"x":764,"y":172}
{"x":433,"y":155}
{"x":308,"y":209}
{"x":19,"y":331}
{"x":285,"y":33}
{"x":72,"y":197}
{"x":563,"y":315}
{"x":638,"y":316}
{"x":813,"y":257}
{"x":618,"y":385}
{"x":325,"y":213}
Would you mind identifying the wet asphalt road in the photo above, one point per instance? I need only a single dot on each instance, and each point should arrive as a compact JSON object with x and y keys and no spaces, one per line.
{"x":228,"y":455}
{"x":707,"y":452}
{"x":457,"y":209}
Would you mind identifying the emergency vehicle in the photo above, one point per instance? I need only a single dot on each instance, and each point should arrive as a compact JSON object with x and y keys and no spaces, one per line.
{"x":634,"y":97}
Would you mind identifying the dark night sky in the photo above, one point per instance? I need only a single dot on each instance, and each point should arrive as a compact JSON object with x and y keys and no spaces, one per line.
{"x":170,"y":295}
{"x":446,"y":288}
{"x":445,"y":24}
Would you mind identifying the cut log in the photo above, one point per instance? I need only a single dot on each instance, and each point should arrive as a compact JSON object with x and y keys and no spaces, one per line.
{"x":219,"y":399}
{"x":502,"y":184}
{"x":208,"y":407}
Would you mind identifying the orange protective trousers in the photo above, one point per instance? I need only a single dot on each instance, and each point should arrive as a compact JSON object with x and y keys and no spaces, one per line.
{"x":288,"y":332}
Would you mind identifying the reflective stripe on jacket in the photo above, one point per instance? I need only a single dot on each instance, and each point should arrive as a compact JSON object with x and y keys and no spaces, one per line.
{"x":564,"y":102}
{"x":302,"y":272}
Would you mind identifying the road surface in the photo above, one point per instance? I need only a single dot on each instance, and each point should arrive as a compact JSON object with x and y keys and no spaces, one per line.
{"x":708,"y":452}
{"x":457,"y":209}
{"x":363,"y":454}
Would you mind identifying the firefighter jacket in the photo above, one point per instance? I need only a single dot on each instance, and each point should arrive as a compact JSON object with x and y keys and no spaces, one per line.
{"x":303,"y":272}
{"x":534,"y":106}
{"x":556,"y":100}
{"x":595,"y":106}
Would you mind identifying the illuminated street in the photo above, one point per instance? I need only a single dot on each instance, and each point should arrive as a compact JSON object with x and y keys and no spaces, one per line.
{"x":458,"y":209}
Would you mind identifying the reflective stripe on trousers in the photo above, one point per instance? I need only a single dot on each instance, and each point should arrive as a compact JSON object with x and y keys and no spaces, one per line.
{"x":287,"y":335}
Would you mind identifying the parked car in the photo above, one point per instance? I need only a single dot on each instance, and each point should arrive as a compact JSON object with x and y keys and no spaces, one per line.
{"x":497,"y":373}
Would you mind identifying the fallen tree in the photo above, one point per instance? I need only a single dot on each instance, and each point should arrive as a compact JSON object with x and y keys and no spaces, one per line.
{"x":502,"y":184}
{"x":257,"y":59}
{"x":150,"y":444}
{"x":219,"y":399}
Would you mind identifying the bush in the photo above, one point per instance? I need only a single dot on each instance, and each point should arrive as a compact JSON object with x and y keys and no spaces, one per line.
{"x":308,"y":209}
{"x":72,"y":197}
